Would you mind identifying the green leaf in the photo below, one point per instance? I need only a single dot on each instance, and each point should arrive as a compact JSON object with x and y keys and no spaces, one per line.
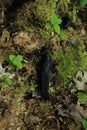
{"x":59,"y":21}
{"x":19,"y":58}
{"x":15,"y":61}
{"x":83,"y":2}
{"x":84,"y":123}
{"x":55,"y":20}
{"x":57,"y":29}
{"x":12,"y":57}
{"x":19,"y":65}
{"x":48,"y":26}
{"x":82,"y":97}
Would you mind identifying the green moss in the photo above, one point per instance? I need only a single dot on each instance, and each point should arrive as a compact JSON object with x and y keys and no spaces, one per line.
{"x":66,"y":66}
{"x":22,"y":17}
{"x":68,"y":61}
{"x":64,"y":5}
{"x":45,"y":9}
{"x":83,"y":57}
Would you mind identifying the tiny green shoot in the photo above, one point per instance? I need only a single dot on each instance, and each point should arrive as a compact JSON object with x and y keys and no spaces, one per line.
{"x":54,"y":24}
{"x":15,"y":61}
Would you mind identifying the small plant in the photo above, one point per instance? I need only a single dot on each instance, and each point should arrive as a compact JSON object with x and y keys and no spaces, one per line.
{"x":54,"y":23}
{"x":5,"y":81}
{"x":83,"y":2}
{"x":84,"y":123}
{"x":82,"y":97}
{"x":15,"y":61}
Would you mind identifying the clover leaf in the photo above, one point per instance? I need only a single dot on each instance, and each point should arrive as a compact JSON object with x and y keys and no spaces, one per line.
{"x":12,"y":57}
{"x":15,"y":61}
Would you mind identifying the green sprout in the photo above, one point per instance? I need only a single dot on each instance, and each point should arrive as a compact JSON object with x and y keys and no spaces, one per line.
{"x":15,"y":61}
{"x":54,"y":23}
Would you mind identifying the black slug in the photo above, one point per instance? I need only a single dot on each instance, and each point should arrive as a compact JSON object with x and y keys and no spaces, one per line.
{"x":43,"y":84}
{"x":45,"y":76}
{"x":66,"y":21}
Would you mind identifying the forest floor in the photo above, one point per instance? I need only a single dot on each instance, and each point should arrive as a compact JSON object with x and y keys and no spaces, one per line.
{"x":20,"y":106}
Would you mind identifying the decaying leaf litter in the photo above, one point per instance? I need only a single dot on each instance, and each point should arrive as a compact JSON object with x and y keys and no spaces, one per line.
{"x":23,"y":33}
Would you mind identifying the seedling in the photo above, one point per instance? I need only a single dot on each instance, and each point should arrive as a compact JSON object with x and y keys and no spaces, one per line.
{"x":54,"y":24}
{"x":15,"y":61}
{"x":5,"y":81}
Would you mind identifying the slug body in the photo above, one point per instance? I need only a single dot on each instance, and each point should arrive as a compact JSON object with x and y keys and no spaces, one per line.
{"x":44,"y":75}
{"x":66,"y":21}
